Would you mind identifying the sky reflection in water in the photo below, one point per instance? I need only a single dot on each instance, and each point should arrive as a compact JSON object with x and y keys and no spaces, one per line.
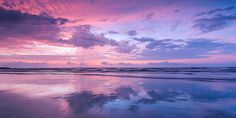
{"x":103,"y":97}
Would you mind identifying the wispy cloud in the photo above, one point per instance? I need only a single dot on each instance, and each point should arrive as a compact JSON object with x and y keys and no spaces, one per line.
{"x":125,"y":47}
{"x":186,"y":49}
{"x":214,"y":20}
{"x":219,"y":10}
{"x":148,"y":16}
{"x":214,"y":23}
{"x":132,"y":33}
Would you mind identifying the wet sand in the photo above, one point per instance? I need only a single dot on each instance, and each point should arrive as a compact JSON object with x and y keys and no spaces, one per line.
{"x":18,"y":106}
{"x":90,"y":96}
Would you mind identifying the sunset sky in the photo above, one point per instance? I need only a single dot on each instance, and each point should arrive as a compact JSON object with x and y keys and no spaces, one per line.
{"x":117,"y":33}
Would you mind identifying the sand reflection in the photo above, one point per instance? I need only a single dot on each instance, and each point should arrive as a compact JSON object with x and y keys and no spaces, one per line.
{"x":84,"y":96}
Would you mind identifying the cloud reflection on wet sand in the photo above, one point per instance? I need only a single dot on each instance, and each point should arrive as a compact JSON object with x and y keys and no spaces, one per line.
{"x":104,"y":97}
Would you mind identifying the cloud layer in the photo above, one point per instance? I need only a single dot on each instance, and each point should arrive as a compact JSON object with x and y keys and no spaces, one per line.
{"x":122,"y":33}
{"x":214,"y":20}
{"x":191,"y":48}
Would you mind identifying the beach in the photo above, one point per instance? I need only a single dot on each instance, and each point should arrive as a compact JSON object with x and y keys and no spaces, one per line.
{"x":100,"y":93}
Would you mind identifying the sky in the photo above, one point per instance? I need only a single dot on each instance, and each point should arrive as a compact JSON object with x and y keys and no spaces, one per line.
{"x":117,"y":33}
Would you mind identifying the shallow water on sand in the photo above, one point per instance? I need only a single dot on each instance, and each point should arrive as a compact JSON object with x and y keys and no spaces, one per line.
{"x":47,"y":95}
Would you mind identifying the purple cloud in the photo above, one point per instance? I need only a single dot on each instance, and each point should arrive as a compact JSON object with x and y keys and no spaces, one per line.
{"x":16,"y":25}
{"x":148,"y":16}
{"x":214,"y":23}
{"x":125,"y":47}
{"x":113,"y":32}
{"x":25,"y":65}
{"x":214,"y":20}
{"x":185,"y":49}
{"x":216,"y":11}
{"x":132,"y":33}
{"x":86,"y":39}
{"x":144,"y":39}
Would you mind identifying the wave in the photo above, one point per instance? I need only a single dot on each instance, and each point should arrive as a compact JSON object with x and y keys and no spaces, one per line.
{"x":190,"y":73}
